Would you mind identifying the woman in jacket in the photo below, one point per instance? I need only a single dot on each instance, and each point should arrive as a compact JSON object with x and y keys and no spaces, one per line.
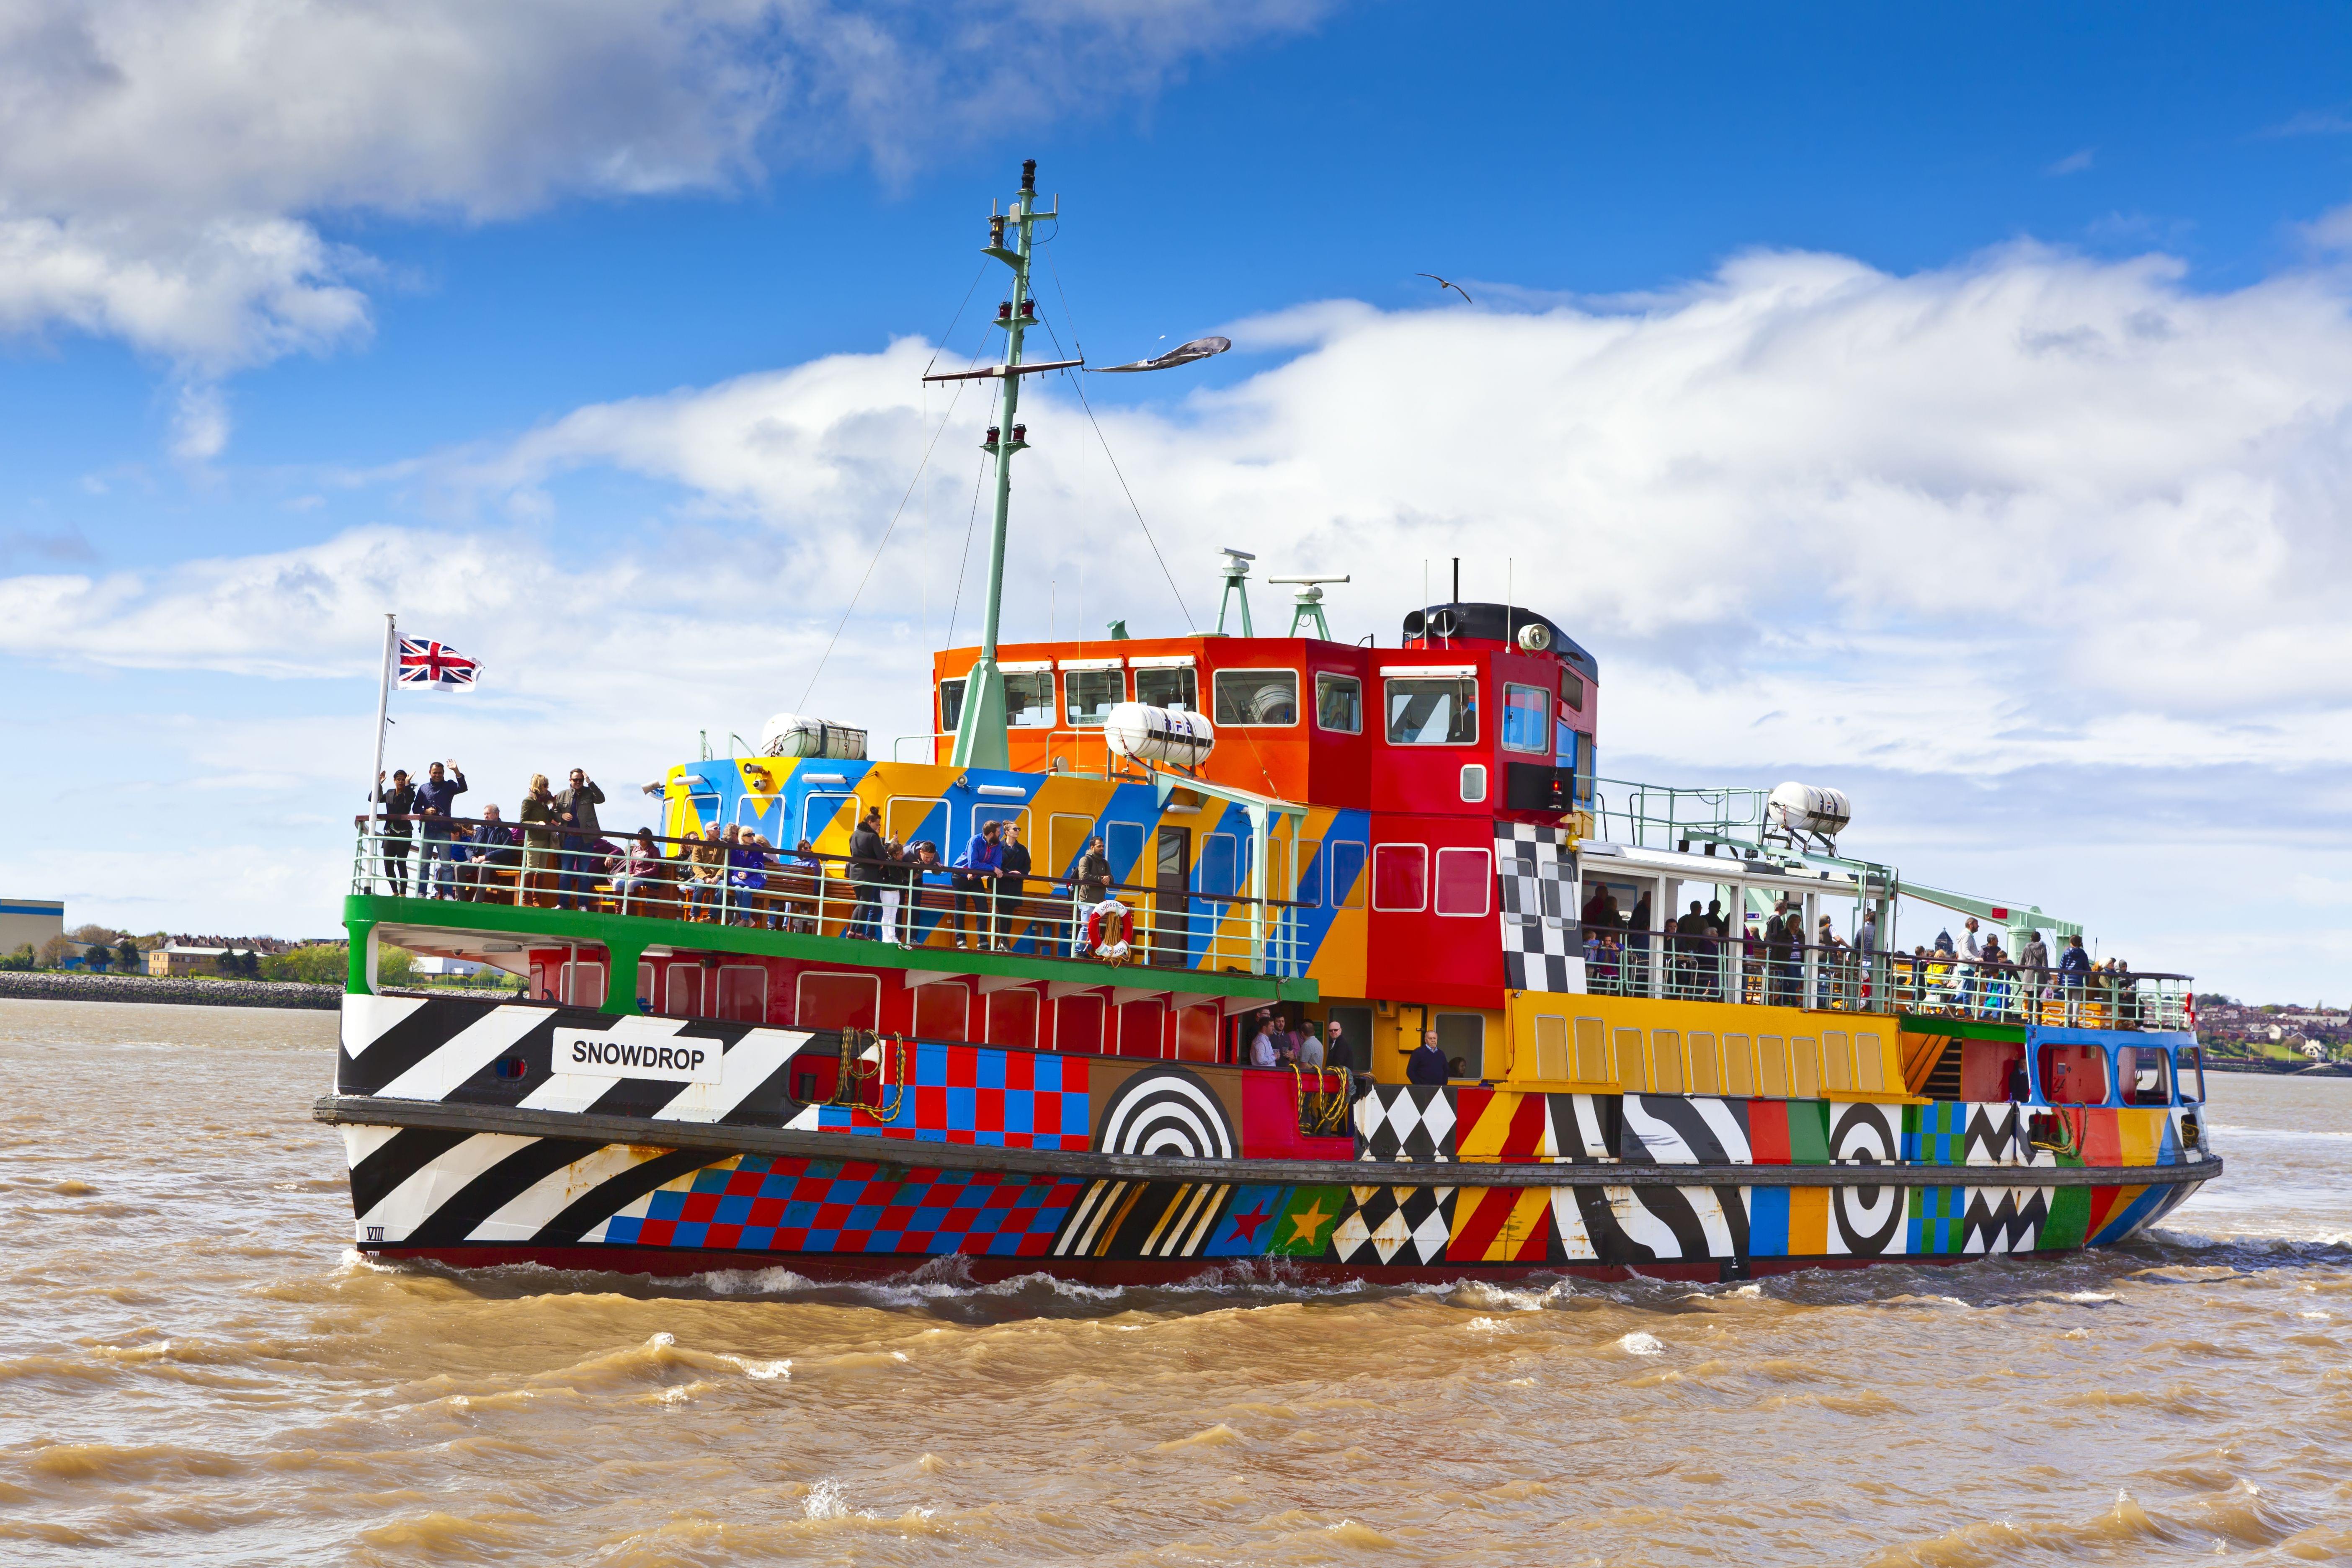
{"x":1091,"y":878}
{"x":538,"y":837}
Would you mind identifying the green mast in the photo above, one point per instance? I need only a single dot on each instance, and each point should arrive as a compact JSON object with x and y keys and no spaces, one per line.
{"x":980,"y":727}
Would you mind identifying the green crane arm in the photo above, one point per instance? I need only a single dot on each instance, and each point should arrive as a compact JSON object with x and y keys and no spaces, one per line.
{"x":2015,"y":917}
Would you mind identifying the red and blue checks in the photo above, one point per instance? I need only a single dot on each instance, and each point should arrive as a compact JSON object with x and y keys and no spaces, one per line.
{"x":976,"y":1094}
{"x":826,"y":1205}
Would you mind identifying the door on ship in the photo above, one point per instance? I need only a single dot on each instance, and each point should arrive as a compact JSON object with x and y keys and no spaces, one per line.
{"x":1172,"y":898}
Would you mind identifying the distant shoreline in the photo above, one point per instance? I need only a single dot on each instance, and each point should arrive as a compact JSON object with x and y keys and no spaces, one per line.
{"x":36,"y":986}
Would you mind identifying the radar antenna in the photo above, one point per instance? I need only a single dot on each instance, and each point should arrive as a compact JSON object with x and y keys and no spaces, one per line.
{"x":1309,"y":606}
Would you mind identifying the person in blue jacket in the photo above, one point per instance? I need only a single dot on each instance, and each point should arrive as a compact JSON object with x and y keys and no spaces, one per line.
{"x":976,"y":871}
{"x":435,"y":803}
{"x":2074,"y":974}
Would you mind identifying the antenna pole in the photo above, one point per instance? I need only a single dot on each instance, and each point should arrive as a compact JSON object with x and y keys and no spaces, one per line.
{"x":980,"y":727}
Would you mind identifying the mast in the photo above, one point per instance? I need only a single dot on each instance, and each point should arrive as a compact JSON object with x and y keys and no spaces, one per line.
{"x":980,"y":727}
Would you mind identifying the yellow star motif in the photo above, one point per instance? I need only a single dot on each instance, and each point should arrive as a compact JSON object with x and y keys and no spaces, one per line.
{"x":1305,"y":1224}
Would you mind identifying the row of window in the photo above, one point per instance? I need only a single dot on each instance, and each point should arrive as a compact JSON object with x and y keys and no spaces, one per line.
{"x":1667,"y":1061}
{"x":1439,"y":709}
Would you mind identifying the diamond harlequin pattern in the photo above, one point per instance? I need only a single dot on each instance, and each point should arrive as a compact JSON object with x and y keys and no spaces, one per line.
{"x":817,"y":1206}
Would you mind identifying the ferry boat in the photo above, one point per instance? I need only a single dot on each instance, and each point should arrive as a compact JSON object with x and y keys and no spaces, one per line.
{"x":816,"y":1060}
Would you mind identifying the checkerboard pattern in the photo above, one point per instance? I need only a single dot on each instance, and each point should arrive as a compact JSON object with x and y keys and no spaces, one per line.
{"x":974,"y":1094}
{"x":1542,"y":947}
{"x":756,"y":1205}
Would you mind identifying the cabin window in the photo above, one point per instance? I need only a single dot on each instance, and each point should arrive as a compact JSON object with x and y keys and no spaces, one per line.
{"x":1139,"y":1029}
{"x":950,"y":703}
{"x":1551,"y":1049}
{"x":1592,"y":1051}
{"x":1633,"y":1062}
{"x":942,"y":1010}
{"x":1772,"y":1067}
{"x":985,"y":812}
{"x":584,"y":985}
{"x":1400,"y":876}
{"x":1169,"y":687}
{"x":1013,"y":1019}
{"x":1837,"y":1060}
{"x":2142,"y":1070}
{"x":1527,"y":717}
{"x":742,"y":994}
{"x":1196,"y":1035}
{"x":1805,"y":1073}
{"x":648,"y":985}
{"x":834,"y":1001}
{"x":822,"y":814}
{"x":911,"y":817}
{"x":1123,"y":841}
{"x":682,"y":991}
{"x":1078,"y":1025}
{"x":1347,"y":874}
{"x":1339,"y":704}
{"x":1262,"y":697}
{"x":2073,"y":1075}
{"x":1667,"y":1061}
{"x":1571,"y":690}
{"x":1029,"y":700}
{"x":1441,"y":711}
{"x":1465,"y":881}
{"x":1220,"y":865}
{"x":1474,"y":782}
{"x":1705,"y":1074}
{"x":1089,"y":694}
{"x":1309,"y":891}
{"x":1463,"y":1037}
{"x":2192,"y":1075}
{"x":1738,"y":1066}
{"x":1584,"y":763}
{"x":1869,"y":1062}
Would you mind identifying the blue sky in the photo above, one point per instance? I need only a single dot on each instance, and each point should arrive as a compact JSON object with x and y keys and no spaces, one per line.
{"x":500,"y":318}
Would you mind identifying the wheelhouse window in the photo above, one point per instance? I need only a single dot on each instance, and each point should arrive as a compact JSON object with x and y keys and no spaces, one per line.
{"x":1262,"y":697}
{"x":1466,"y":880}
{"x":2192,"y":1075}
{"x":2073,"y":1075}
{"x":1571,"y":690}
{"x":1347,"y":858}
{"x":1173,"y":687}
{"x":2144,"y":1072}
{"x":1029,"y":700}
{"x":951,"y":703}
{"x":1440,"y":710}
{"x":1087,"y":695}
{"x":1527,"y":717}
{"x":1463,"y":1037}
{"x":1339,"y":704}
{"x":1400,"y":876}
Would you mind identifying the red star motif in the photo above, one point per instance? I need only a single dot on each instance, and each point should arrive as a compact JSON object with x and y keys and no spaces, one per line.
{"x":1245,"y":1225}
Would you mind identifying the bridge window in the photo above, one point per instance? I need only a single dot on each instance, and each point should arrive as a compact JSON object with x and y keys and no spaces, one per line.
{"x":1571,"y":690}
{"x":2073,"y":1075}
{"x":1347,"y":874}
{"x":1259,"y":696}
{"x":1089,"y":694}
{"x":1029,"y":700}
{"x":1339,"y":704}
{"x":1400,"y":876}
{"x":1466,"y":880}
{"x":1176,"y":688}
{"x":951,"y":703}
{"x":2192,"y":1075}
{"x":1433,"y":712}
{"x":2142,"y":1070}
{"x":1463,"y":1037}
{"x":1527,"y":717}
{"x":1220,"y":865}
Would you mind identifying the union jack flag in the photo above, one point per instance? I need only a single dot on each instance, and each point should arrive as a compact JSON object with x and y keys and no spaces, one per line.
{"x":435,"y":664}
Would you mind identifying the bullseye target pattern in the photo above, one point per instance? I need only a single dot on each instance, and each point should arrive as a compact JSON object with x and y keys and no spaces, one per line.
{"x":1166,"y":1111}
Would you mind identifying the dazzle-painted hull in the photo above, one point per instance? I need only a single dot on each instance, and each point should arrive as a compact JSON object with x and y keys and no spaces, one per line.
{"x":469,"y":1145}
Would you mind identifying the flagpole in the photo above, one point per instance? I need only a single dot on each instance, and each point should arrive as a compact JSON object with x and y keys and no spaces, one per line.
{"x":382,"y":711}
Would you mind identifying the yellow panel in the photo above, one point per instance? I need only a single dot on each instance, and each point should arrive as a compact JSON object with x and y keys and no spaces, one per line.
{"x":1593,"y":1052}
{"x":1666,"y":1060}
{"x":1633,"y":1062}
{"x":1552,"y":1065}
{"x":1704,"y":1064}
{"x":1806,"y":1079}
{"x":1837,"y":1060}
{"x":2139,"y":1134}
{"x":1809,"y":1220}
{"x":1066,"y":836}
{"x":1773,"y":1079}
{"x":1869,"y":1059}
{"x":1738,"y":1064}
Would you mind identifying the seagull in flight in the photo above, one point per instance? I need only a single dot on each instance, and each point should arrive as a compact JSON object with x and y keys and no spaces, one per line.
{"x":1444,"y":284}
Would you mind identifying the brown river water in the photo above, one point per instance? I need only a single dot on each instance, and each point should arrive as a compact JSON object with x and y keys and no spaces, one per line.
{"x":195,"y":1368}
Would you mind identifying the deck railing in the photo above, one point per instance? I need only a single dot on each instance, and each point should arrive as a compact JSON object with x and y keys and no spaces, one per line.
{"x":1844,"y":979}
{"x":902,"y":902}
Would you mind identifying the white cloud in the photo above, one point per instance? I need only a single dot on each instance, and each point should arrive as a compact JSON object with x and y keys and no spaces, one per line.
{"x":2074,"y":163}
{"x":161,"y":162}
{"x":2036,"y":523}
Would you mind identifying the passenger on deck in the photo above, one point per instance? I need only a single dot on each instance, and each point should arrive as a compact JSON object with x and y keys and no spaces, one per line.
{"x":2074,"y":975}
{"x":575,"y":808}
{"x":1600,"y":962}
{"x":977,"y":870}
{"x":1336,"y":1053}
{"x":1992,"y":968}
{"x":1427,"y":1064}
{"x":1638,"y":939}
{"x":1012,"y":884}
{"x":1310,"y":1046}
{"x":867,"y":851}
{"x":747,"y":873}
{"x":1600,"y":913}
{"x":890,"y":887}
{"x":393,"y":832}
{"x":637,"y":874}
{"x":1261,"y":1048}
{"x":1090,"y":883}
{"x":926,"y":891}
{"x":495,"y":848}
{"x":538,"y":844}
{"x":1784,"y":939}
{"x":1690,"y":943}
{"x":437,"y":800}
{"x":1825,"y":961}
{"x":803,"y":881}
